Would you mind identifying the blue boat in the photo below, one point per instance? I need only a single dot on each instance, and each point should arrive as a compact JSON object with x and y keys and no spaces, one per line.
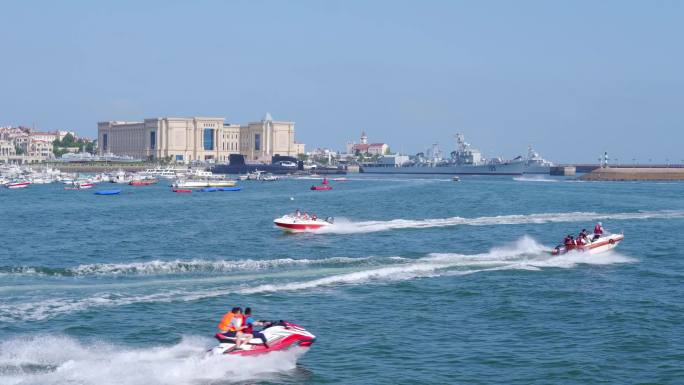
{"x":108,"y":192}
{"x":209,"y":189}
{"x":230,"y":188}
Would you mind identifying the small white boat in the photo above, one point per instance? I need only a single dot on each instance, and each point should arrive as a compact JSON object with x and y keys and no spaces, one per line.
{"x":600,"y":245}
{"x":456,"y":179}
{"x":191,"y":183}
{"x":295,"y":224}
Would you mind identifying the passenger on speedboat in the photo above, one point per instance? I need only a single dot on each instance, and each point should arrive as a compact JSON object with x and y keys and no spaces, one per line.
{"x":569,"y":242}
{"x":584,"y":236}
{"x":598,"y":231}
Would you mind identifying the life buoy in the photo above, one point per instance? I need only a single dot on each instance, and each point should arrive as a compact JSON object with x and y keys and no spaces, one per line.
{"x":612,"y":241}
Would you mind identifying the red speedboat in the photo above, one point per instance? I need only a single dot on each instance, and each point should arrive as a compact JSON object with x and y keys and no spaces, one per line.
{"x":603,"y":243}
{"x":15,"y":185}
{"x":323,"y":187}
{"x":281,"y":335}
{"x":181,"y":190}
{"x":300,"y":223}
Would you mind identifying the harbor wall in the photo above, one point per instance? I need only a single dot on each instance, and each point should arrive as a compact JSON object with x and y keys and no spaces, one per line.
{"x":635,"y":174}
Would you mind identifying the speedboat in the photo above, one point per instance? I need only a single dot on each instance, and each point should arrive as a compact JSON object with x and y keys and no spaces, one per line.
{"x":281,"y":335}
{"x":322,"y":187}
{"x":15,"y":185}
{"x":296,"y":224}
{"x":600,"y":245}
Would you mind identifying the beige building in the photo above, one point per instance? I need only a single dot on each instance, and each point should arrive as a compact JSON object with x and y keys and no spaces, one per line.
{"x":261,"y":140}
{"x":41,"y":149}
{"x":7,"y":149}
{"x":197,"y":139}
{"x":180,"y":139}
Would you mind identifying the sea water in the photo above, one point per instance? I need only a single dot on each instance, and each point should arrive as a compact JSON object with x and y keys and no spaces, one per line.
{"x":419,"y":281}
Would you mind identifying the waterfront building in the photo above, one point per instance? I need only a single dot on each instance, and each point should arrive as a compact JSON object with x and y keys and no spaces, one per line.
{"x":7,"y":150}
{"x":365,"y":148}
{"x":197,"y":139}
{"x":179,"y":139}
{"x":40,"y":149}
{"x":266,"y":138}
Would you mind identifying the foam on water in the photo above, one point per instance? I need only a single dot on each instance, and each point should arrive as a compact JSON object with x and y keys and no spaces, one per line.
{"x":60,"y":360}
{"x":159,"y":267}
{"x":534,"y":179}
{"x":345,"y":226}
{"x":524,"y":254}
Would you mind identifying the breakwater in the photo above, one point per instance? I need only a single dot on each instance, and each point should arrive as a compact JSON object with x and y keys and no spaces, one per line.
{"x":634,"y":174}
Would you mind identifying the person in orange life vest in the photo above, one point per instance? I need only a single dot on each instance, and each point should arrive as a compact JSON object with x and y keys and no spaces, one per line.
{"x":250,"y":322}
{"x":224,"y":326}
{"x":598,"y":231}
{"x":236,"y":326}
{"x":579,"y":241}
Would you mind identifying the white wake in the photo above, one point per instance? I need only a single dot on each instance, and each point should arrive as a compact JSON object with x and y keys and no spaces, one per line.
{"x":524,"y":254}
{"x":344,"y":226}
{"x":49,"y":360}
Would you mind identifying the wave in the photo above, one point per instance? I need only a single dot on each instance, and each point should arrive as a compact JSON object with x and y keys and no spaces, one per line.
{"x":345,"y":226}
{"x":524,"y":254}
{"x":159,"y":267}
{"x":534,"y":179}
{"x":59,"y":360}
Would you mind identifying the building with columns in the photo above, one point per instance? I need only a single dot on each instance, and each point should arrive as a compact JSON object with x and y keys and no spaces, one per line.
{"x":261,"y":140}
{"x":197,"y":139}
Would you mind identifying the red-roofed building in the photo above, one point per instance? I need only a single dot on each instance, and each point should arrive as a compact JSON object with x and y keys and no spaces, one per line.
{"x":367,"y":149}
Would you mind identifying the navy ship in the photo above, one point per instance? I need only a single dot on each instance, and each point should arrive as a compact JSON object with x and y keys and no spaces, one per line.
{"x":279,"y":165}
{"x":466,"y":160}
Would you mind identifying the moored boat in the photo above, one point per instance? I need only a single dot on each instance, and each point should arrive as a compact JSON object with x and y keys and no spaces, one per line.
{"x":142,"y":182}
{"x":190,"y":183}
{"x":108,"y":192}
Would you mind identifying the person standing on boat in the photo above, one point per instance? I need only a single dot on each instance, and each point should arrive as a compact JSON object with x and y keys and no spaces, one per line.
{"x":598,"y":231}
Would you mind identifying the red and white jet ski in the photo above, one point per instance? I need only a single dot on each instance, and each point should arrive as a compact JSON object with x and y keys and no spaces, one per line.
{"x":281,"y":335}
{"x":604,"y":243}
{"x":296,"y":224}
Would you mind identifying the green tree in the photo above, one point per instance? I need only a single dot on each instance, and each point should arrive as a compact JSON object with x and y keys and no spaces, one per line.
{"x":19,"y":150}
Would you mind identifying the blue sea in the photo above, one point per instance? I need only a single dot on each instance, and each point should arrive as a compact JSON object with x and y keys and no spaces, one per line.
{"x":419,"y":281}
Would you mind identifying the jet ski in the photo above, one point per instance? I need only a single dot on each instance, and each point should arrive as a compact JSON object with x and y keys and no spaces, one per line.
{"x":295,"y":223}
{"x":280,"y":335}
{"x":603,"y":243}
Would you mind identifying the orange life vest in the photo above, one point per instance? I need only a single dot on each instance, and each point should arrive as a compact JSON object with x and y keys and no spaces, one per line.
{"x":225,"y":321}
{"x":232,"y":327}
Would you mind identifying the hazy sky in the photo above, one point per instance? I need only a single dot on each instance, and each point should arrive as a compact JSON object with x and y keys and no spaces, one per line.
{"x":573,"y":78}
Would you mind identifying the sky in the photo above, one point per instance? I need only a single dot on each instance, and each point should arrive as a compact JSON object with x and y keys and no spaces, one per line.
{"x":572,"y":78}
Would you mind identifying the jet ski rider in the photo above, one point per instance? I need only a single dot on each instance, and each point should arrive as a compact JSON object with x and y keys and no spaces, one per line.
{"x":249,"y":331}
